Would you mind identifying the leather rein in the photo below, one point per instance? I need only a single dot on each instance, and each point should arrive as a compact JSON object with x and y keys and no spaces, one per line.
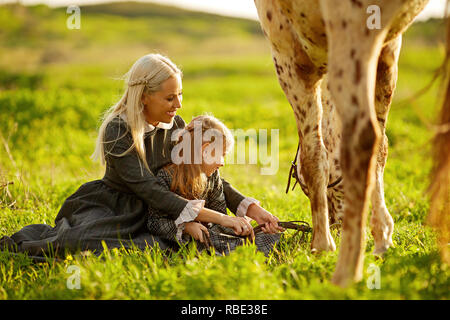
{"x":293,"y":174}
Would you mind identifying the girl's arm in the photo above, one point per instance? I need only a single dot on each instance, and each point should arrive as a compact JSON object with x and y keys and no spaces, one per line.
{"x":166,"y":228}
{"x":232,"y":196}
{"x":216,"y":209}
{"x":239,"y":225}
{"x":235,"y":201}
{"x":248,"y":207}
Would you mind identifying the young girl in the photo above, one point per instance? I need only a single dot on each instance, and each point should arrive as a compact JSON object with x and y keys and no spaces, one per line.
{"x":200,"y":181}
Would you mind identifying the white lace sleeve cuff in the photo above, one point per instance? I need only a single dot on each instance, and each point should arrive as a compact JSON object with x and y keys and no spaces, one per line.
{"x":243,"y":206}
{"x":189,"y":213}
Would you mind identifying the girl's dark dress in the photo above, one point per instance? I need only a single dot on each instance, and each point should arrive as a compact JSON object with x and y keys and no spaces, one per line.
{"x":114,"y":209}
{"x":223,"y":239}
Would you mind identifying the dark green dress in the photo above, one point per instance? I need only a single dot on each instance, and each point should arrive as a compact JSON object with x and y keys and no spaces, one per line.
{"x":114,"y":209}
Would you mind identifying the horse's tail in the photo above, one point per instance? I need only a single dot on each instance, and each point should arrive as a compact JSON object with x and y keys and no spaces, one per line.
{"x":439,"y":216}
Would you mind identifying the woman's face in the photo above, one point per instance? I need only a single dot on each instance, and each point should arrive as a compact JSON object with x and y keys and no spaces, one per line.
{"x":161,"y":106}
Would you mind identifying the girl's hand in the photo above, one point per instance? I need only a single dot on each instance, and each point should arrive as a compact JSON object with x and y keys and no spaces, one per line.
{"x":268,"y":222}
{"x":239,"y":225}
{"x":195,"y":230}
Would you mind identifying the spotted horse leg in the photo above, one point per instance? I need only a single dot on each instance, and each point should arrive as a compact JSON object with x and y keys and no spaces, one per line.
{"x":381,"y":222}
{"x":353,"y":52}
{"x":301,"y":80}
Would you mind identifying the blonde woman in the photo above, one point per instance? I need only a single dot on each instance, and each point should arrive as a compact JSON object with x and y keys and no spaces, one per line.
{"x":134,"y":142}
{"x":200,"y":181}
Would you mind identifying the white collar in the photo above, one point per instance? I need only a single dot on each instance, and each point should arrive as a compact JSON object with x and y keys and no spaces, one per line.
{"x":148,"y":126}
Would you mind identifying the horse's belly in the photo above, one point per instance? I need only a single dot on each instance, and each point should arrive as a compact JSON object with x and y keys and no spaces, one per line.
{"x":305,"y":19}
{"x":307,"y":22}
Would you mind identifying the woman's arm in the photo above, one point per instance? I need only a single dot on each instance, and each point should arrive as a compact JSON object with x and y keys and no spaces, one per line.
{"x":209,"y":215}
{"x":129,"y":171}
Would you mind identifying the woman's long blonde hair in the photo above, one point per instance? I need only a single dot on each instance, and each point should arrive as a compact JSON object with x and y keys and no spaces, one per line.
{"x":188,"y":179}
{"x":145,"y":77}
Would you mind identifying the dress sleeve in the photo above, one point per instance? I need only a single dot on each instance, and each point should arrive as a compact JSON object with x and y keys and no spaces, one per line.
{"x":215,"y":199}
{"x":243,"y":206}
{"x":170,"y":229}
{"x":232,"y":197}
{"x":133,"y":174}
{"x":219,"y":200}
{"x":163,"y":225}
{"x":235,"y":201}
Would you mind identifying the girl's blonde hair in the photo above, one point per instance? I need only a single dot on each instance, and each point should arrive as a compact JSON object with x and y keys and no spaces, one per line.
{"x":145,"y":77}
{"x":188,"y":179}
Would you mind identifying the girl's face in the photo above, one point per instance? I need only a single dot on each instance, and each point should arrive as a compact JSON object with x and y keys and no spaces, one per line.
{"x":161,"y":106}
{"x":211,"y":162}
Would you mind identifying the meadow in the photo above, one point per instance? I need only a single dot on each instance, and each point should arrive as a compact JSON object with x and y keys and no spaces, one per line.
{"x":55,"y":83}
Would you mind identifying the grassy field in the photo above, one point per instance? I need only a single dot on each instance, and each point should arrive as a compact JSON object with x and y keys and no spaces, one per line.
{"x":54,"y":85}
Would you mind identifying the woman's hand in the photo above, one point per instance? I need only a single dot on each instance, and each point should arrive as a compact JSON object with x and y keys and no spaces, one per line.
{"x":267,"y":221}
{"x":239,"y":225}
{"x":195,"y":230}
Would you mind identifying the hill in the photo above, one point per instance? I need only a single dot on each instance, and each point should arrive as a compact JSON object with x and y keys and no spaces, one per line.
{"x":114,"y":29}
{"x":121,"y":27}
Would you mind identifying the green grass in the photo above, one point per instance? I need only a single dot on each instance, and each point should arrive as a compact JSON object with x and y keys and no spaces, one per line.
{"x":54,"y":86}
